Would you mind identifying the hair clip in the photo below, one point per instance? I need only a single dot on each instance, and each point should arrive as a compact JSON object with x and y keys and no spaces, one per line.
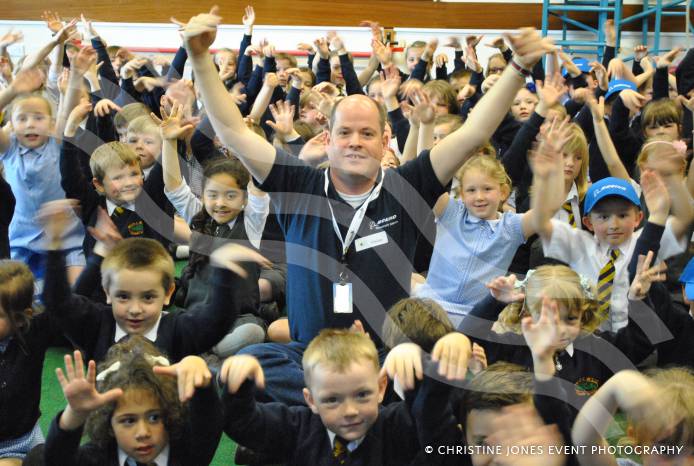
{"x":586,"y":283}
{"x":101,"y":376}
{"x":113,"y":368}
{"x":679,"y":146}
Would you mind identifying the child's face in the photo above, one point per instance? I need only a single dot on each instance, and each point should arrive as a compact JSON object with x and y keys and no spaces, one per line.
{"x":613,"y":220}
{"x":441,"y":131}
{"x":375,"y":92}
{"x":389,"y":159}
{"x":478,"y":426}
{"x":569,"y":327}
{"x":121,"y":185}
{"x":138,"y":425}
{"x":412,"y":58}
{"x":223,"y":198}
{"x":147,"y":146}
{"x":282,"y":66}
{"x":440,"y":105}
{"x":347,"y":402}
{"x":336,"y":71}
{"x":482,"y":195}
{"x":572,"y":166}
{"x":31,"y":122}
{"x":310,"y":115}
{"x":306,"y":80}
{"x":670,"y":130}
{"x":496,"y":66}
{"x":137,"y":298}
{"x":523,"y":105}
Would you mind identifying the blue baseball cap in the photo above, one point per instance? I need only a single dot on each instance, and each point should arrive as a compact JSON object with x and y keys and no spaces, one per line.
{"x":617,"y":85}
{"x":687,"y":279}
{"x":609,"y":186}
{"x":582,"y":64}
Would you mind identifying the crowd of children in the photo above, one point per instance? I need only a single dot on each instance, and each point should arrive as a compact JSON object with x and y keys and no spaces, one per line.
{"x":487,"y":266}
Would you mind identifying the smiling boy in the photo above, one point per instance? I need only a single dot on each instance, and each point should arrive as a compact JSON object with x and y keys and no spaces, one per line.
{"x":612,"y":212}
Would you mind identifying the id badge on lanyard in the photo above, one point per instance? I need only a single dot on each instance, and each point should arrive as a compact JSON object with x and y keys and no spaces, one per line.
{"x":342,"y":288}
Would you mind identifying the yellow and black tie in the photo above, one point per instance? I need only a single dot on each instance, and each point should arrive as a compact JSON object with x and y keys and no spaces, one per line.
{"x":570,"y":211}
{"x":605,"y":283}
{"x":117,"y":212}
{"x":340,"y":451}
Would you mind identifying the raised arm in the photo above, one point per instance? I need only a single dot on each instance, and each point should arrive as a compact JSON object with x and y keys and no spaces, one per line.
{"x":452,"y":152}
{"x":257,"y":154}
{"x":602,"y":135}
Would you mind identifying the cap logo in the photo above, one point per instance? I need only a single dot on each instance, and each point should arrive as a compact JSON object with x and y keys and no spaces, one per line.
{"x":609,"y":186}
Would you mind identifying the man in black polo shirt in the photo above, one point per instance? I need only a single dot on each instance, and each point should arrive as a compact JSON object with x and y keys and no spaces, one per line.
{"x":351,"y":230}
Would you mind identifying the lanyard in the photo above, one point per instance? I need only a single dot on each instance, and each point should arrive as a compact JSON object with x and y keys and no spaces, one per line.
{"x":356,"y":220}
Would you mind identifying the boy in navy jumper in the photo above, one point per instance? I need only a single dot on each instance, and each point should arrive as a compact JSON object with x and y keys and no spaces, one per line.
{"x":344,"y":423}
{"x":137,"y":277}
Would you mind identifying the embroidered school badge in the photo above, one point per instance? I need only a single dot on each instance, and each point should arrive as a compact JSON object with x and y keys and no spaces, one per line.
{"x":136,"y":228}
{"x":586,"y":386}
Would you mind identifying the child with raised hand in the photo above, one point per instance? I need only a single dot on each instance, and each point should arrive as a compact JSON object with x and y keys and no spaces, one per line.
{"x":473,"y":231}
{"x":30,"y":156}
{"x":137,"y":277}
{"x":25,"y":335}
{"x":660,"y":415}
{"x":126,"y":180}
{"x":612,"y":211}
{"x":226,"y":212}
{"x":343,"y":392}
{"x":134,"y":412}
{"x":567,"y":339}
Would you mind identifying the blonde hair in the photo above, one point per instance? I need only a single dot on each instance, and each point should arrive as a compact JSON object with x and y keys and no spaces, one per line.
{"x":129,"y":113}
{"x":141,"y":254}
{"x":444,"y":93}
{"x":144,"y":124}
{"x":488,"y":164}
{"x":653,"y":146}
{"x":111,"y":155}
{"x":557,"y":282}
{"x":577,"y":144}
{"x":16,"y":295}
{"x":674,"y":425}
{"x":338,"y":349}
{"x":28,"y":96}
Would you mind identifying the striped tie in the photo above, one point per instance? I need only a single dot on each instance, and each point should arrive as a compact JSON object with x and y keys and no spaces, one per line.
{"x":570,"y":211}
{"x":340,"y":451}
{"x":605,"y":282}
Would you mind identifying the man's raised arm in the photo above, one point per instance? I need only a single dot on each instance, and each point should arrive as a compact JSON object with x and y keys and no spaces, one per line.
{"x":256,"y":153}
{"x":448,"y":156}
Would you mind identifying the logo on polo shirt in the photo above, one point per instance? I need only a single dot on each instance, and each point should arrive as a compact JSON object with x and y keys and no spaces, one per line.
{"x":383,"y":223}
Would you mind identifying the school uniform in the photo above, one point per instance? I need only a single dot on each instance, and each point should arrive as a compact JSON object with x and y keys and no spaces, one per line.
{"x":468,"y":253}
{"x":195,"y":447}
{"x":91,"y":326}
{"x":149,"y":216}
{"x":296,"y":436}
{"x":587,"y":256}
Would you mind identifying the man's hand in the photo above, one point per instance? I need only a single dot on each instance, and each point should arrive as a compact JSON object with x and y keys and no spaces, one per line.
{"x":200,"y":32}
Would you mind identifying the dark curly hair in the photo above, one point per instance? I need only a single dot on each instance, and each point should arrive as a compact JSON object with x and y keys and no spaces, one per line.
{"x":135,"y":372}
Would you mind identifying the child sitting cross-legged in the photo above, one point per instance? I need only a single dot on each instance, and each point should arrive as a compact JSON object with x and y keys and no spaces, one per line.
{"x":137,"y":277}
{"x":343,"y":423}
{"x":133,"y":412}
